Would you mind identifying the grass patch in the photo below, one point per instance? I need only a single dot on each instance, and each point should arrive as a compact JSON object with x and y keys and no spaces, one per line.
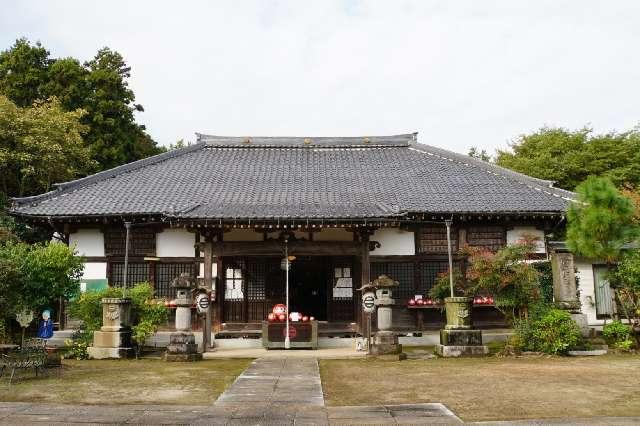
{"x":144,"y":381}
{"x":492,"y":388}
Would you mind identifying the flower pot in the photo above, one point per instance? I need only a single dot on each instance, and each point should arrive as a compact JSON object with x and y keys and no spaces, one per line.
{"x":458,"y":311}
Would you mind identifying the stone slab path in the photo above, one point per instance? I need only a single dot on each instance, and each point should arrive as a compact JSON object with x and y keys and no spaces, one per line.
{"x":271,"y":391}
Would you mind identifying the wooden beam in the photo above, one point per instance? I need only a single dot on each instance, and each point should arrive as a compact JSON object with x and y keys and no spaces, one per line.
{"x":299,"y":248}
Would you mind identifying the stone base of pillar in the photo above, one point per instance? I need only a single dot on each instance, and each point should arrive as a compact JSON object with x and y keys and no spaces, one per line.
{"x":583,"y":324}
{"x":385,"y":343}
{"x":111,"y":345}
{"x":182,"y":347}
{"x":109,"y":353}
{"x":461,"y":342}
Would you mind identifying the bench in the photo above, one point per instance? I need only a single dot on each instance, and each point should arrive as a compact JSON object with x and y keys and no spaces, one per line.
{"x":32,"y":354}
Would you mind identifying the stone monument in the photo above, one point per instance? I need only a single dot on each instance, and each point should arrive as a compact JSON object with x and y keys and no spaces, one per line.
{"x":565,"y":290}
{"x":182,"y":343}
{"x":459,"y":338}
{"x":385,"y":341}
{"x":113,"y":340}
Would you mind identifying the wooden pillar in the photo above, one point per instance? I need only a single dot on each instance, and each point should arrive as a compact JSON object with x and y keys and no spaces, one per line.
{"x":219,"y":311}
{"x":365,"y":277}
{"x":208,"y":282}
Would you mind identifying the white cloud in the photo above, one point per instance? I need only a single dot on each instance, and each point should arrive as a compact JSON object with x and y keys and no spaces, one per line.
{"x":461,"y":73}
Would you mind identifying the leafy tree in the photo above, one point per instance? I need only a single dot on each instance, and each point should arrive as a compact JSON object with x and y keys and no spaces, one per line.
{"x":99,"y":87}
{"x":569,"y":157}
{"x":39,"y":146}
{"x":114,"y":137}
{"x":32,"y":276}
{"x":601,"y":221}
{"x":23,"y":69}
{"x":513,"y":283}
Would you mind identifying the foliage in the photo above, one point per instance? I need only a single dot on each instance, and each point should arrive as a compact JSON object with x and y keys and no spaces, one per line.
{"x":76,"y":347}
{"x":506,"y":276}
{"x":479,"y":154}
{"x":625,"y":280}
{"x":569,"y":157}
{"x":545,"y":280}
{"x":31,"y":276}
{"x":147,"y":313}
{"x":618,"y":335}
{"x":99,"y":87}
{"x":601,"y":221}
{"x":553,"y":332}
{"x":23,"y":68}
{"x":442,"y":288}
{"x":39,"y":146}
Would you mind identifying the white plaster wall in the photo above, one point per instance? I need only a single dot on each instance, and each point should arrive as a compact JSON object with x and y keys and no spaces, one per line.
{"x":333,"y":234}
{"x":242,"y":235}
{"x":87,"y":242}
{"x":518,"y":232}
{"x":587,"y":289}
{"x":175,"y":243}
{"x":94,"y":271}
{"x":394,"y":242}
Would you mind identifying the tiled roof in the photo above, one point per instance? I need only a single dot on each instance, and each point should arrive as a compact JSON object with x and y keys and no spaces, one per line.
{"x":268,"y":178}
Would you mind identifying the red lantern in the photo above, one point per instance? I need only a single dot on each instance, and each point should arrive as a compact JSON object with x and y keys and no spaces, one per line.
{"x":271,"y":317}
{"x":419,"y":302}
{"x":412,"y":302}
{"x":490,"y":300}
{"x":281,"y":317}
{"x":311,"y":318}
{"x":305,"y":318}
{"x":428,"y":302}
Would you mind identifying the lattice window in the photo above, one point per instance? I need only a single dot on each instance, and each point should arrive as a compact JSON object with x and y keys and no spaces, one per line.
{"x":167,"y":272}
{"x":403,"y":272}
{"x":256,"y":279}
{"x":342,"y":283}
{"x":138,"y":272}
{"x":233,"y":283}
{"x":433,"y":239}
{"x":429,"y":272}
{"x":142,"y":242}
{"x":489,"y":237}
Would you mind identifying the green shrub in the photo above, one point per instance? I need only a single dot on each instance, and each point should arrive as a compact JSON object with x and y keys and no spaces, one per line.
{"x":76,"y":347}
{"x":147,"y":313}
{"x":617,"y":335}
{"x":554,"y":333}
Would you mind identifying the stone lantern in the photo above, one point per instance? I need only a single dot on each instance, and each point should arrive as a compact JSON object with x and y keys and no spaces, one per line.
{"x":182,"y":343}
{"x":385,"y":341}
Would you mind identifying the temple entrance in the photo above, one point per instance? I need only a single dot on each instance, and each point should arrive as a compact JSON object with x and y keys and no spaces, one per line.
{"x":308,"y":287}
{"x":319,"y":286}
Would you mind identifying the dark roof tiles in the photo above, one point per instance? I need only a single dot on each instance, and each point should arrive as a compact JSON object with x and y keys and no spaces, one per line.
{"x":222,"y":178}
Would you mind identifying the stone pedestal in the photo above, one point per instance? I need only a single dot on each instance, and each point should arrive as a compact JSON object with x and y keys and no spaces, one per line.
{"x":462,"y":342}
{"x":565,"y":291}
{"x":385,"y":343}
{"x":113,"y":340}
{"x":182,"y":347}
{"x":458,"y":338}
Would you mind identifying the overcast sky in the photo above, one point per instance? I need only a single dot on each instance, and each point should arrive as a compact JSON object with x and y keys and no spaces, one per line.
{"x":461,"y":73}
